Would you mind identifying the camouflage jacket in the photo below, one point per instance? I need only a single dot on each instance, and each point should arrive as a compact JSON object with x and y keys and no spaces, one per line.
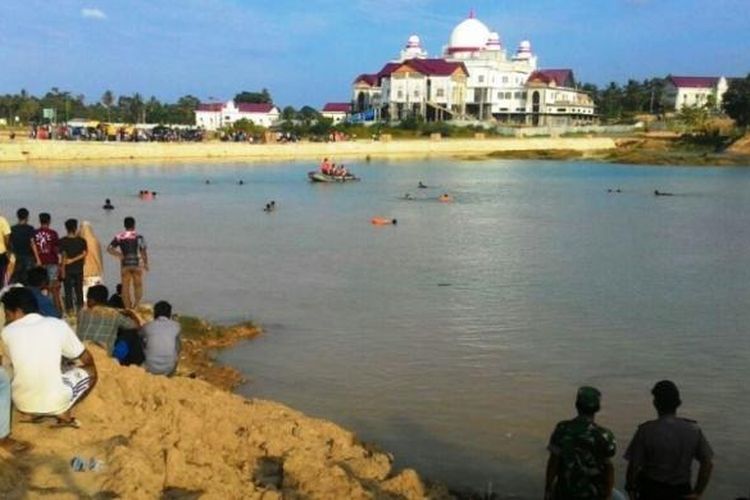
{"x":583,"y":449}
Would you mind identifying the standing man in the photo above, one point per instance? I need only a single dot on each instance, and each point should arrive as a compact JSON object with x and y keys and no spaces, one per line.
{"x":21,"y":236}
{"x":47,"y":254}
{"x":579,"y":465}
{"x":130,"y":248}
{"x":4,"y":243}
{"x":73,"y":252}
{"x":662,"y":452}
{"x":36,"y":345}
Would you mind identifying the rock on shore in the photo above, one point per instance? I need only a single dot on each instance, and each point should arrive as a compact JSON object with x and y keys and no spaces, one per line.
{"x":184,"y":438}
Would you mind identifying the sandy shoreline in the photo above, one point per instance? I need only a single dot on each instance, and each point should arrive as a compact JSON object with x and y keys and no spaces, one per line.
{"x":61,"y":152}
{"x":188,"y":437}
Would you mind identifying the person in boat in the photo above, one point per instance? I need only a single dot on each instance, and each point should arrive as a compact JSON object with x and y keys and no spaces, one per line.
{"x":344,"y":171}
{"x":325,"y":166}
{"x":659,"y":193}
{"x":108,"y":205}
{"x":421,"y":185}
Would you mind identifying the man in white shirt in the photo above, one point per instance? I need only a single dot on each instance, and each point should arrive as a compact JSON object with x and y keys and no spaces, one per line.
{"x":35,"y":345}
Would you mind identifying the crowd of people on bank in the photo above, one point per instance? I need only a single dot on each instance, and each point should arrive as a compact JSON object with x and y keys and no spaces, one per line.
{"x":49,"y":284}
{"x":111,"y":132}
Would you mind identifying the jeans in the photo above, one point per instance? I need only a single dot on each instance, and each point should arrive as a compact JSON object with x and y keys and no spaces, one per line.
{"x":3,"y":267}
{"x":132,"y":276}
{"x":4,"y":404}
{"x":23,"y":264}
{"x":73,"y":289}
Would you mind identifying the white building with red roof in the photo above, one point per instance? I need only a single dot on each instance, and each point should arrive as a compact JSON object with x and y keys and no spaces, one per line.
{"x":216,"y":115}
{"x":696,"y":91}
{"x":336,"y":111}
{"x":475,"y":78}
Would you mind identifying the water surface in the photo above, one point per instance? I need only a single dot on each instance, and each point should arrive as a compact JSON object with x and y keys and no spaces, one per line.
{"x":456,"y":339}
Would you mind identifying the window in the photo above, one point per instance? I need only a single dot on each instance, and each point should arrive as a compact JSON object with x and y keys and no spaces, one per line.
{"x":561,"y":110}
{"x":481,"y":78}
{"x":440,"y":93}
{"x":508,"y":95}
{"x":505,"y":79}
{"x":400,"y":94}
{"x":499,"y":95}
{"x":416,"y":93}
{"x":517,"y":95}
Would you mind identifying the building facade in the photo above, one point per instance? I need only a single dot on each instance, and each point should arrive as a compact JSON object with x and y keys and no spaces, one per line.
{"x":213,"y":116}
{"x":337,"y":112}
{"x":694,"y":91}
{"x":490,"y":84}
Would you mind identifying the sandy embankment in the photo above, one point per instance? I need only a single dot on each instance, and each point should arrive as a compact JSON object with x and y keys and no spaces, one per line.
{"x":62,"y":151}
{"x":184,"y":438}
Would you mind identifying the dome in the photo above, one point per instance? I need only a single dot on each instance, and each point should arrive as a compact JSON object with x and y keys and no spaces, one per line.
{"x":470,"y":34}
{"x":524,"y":50}
{"x":413,"y":42}
{"x":493,"y":42}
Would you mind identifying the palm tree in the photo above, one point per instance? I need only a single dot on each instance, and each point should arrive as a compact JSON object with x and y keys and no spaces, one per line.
{"x":108,"y":99}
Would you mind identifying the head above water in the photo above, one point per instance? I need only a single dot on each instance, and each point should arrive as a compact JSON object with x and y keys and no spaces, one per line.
{"x":666,"y":397}
{"x":588,"y":400}
{"x":97,"y":295}
{"x":129,"y":223}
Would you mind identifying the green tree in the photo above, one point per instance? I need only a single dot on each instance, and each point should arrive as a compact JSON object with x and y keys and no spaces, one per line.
{"x":289,"y":113}
{"x":736,"y":102}
{"x":694,"y":117}
{"x":262,"y":97}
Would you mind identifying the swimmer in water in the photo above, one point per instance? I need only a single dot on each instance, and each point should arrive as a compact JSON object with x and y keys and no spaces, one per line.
{"x":241,"y":182}
{"x":108,"y":205}
{"x":659,"y":193}
{"x":421,"y":186}
{"x":208,"y":181}
{"x":408,"y":196}
{"x":445,"y":198}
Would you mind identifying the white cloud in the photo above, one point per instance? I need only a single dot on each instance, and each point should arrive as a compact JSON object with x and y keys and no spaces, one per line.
{"x":93,"y":13}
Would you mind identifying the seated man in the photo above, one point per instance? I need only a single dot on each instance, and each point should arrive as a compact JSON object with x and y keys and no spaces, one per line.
{"x":35,"y":345}
{"x":161,"y":339}
{"x":38,"y":282}
{"x":99,"y":323}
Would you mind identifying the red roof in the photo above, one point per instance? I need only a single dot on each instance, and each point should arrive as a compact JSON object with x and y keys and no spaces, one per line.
{"x":387,"y":70}
{"x":694,"y":82}
{"x":210,"y":106}
{"x":430,"y":67}
{"x":560,"y":77}
{"x":337,"y":107}
{"x":437,"y":67}
{"x":244,"y":107}
{"x":370,"y":79}
{"x":250,"y":107}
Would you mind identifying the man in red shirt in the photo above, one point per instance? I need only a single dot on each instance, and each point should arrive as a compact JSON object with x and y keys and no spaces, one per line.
{"x":45,"y":245}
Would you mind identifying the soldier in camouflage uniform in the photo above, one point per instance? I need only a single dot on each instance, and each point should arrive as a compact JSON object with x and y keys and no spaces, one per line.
{"x":579,"y":466}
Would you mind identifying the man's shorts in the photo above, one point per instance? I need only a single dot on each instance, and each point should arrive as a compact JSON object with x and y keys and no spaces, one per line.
{"x":53,"y":272}
{"x":78,"y":381}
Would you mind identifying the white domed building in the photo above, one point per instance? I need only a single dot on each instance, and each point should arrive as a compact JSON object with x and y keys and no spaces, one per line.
{"x":499,"y":87}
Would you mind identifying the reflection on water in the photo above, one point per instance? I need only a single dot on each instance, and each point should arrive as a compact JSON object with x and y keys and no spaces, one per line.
{"x":457,"y":338}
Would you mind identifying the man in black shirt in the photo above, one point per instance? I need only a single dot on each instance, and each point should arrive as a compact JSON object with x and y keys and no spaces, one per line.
{"x":20,"y":245}
{"x":73,"y":250}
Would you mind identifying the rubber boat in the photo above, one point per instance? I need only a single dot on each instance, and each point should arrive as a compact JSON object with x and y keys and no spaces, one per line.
{"x":317,"y":176}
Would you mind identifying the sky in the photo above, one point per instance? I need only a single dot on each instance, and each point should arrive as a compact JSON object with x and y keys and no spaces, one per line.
{"x":309,"y":51}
